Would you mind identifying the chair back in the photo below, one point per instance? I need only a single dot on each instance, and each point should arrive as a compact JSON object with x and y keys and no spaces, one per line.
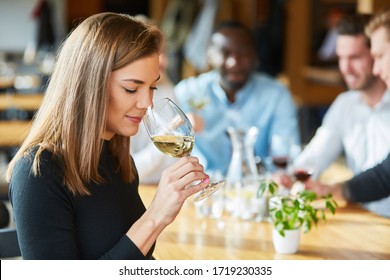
{"x":9,"y":245}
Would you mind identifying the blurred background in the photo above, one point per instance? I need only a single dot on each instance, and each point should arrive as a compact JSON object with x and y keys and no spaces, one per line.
{"x":294,"y":43}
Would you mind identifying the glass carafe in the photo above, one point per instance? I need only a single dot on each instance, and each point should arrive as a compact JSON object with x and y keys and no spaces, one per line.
{"x":242,"y":175}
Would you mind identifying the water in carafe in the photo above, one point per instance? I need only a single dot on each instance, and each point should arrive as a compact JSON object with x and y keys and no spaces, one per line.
{"x":242,"y":176}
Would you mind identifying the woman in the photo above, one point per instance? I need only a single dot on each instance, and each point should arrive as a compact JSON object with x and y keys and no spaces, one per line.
{"x":73,"y":186}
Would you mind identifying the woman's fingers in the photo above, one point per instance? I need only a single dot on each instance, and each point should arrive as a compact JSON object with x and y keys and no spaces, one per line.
{"x":177,"y":183}
{"x":196,"y":188}
{"x":177,"y":165}
{"x":185,"y":171}
{"x":182,"y":179}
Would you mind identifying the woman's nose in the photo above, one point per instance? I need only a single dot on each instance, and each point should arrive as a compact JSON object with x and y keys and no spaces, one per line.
{"x":145,"y":100}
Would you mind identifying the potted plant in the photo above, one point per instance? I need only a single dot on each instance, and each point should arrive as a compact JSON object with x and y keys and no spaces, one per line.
{"x":290,"y":214}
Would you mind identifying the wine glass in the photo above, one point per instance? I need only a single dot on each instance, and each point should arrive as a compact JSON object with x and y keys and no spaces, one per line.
{"x":280,"y":151}
{"x":172,"y":133}
{"x":279,"y":154}
{"x":302,"y":173}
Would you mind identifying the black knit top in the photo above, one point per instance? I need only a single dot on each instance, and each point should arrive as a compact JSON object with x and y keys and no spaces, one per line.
{"x":370,"y":185}
{"x":52,"y":223}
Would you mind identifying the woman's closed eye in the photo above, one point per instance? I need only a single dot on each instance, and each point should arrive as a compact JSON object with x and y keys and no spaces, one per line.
{"x":130,"y":90}
{"x":135,"y":90}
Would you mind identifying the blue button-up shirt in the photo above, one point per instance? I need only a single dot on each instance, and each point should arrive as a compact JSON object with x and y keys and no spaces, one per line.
{"x":263,"y":102}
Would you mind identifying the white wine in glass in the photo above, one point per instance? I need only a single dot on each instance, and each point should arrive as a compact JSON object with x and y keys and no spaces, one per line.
{"x":173,"y":145}
{"x":172,"y":133}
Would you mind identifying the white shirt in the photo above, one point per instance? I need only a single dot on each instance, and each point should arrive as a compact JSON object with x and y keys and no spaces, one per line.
{"x":150,"y":162}
{"x":351,"y":127}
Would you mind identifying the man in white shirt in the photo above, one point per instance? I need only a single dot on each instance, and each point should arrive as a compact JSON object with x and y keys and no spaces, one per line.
{"x":357,"y":123}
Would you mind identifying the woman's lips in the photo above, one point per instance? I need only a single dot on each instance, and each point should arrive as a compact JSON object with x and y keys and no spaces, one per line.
{"x":134,"y":119}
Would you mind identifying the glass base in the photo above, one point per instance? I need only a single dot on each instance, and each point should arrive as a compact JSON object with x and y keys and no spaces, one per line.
{"x":209,"y":190}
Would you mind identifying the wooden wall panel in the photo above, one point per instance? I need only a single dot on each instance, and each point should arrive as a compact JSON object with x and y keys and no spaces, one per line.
{"x":78,"y":10}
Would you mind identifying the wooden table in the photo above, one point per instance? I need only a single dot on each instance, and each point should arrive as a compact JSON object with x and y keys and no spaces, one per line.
{"x":352,"y":233}
{"x":28,"y":102}
{"x":12,"y":133}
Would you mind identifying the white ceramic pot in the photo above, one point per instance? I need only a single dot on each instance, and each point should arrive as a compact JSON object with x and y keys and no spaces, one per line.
{"x":288,"y":244}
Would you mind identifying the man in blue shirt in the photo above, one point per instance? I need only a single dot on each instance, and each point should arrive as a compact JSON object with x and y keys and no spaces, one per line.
{"x":236,"y":96}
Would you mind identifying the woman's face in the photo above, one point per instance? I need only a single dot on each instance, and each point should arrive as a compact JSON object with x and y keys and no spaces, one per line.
{"x":130,"y":91}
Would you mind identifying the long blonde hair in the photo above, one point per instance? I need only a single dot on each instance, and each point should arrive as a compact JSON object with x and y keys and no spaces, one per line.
{"x":72,"y":117}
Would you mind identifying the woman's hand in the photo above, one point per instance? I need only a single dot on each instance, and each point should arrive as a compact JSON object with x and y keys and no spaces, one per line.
{"x":175,"y":187}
